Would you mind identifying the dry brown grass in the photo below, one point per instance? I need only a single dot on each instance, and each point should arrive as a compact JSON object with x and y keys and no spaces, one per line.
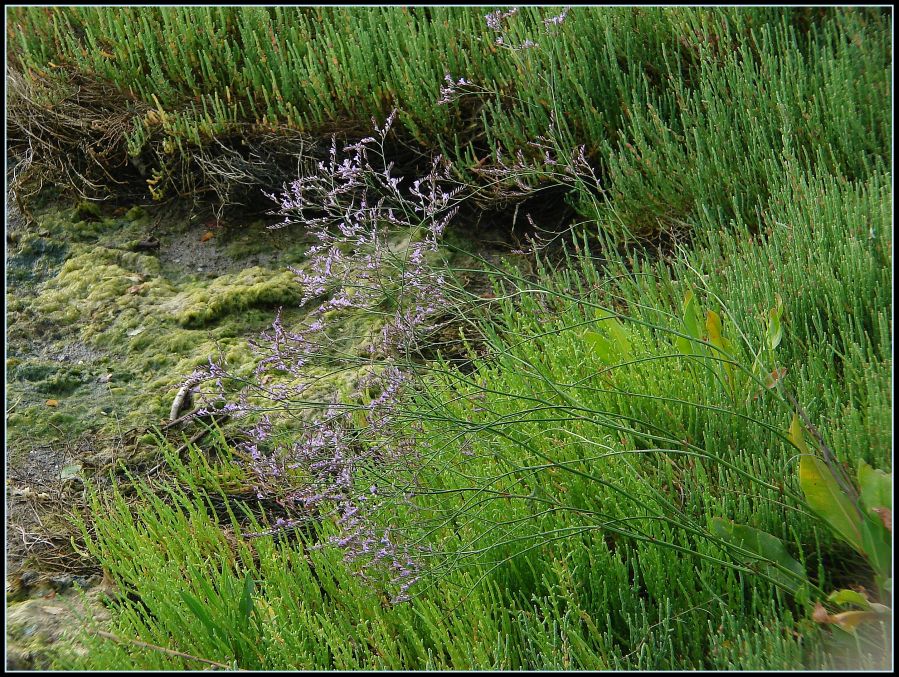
{"x":70,"y":131}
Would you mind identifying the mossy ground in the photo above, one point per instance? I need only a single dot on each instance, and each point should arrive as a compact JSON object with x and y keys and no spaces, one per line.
{"x":103,"y":329}
{"x":110,"y":308}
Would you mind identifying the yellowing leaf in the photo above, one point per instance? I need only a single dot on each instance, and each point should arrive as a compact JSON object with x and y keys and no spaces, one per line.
{"x":713,"y":326}
{"x":844,"y":597}
{"x":827,"y":500}
{"x":847,"y":620}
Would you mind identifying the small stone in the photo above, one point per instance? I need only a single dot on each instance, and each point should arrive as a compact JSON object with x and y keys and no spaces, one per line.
{"x":29,"y":578}
{"x":28,"y":630}
{"x":85,"y":582}
{"x":70,"y":472}
{"x":60,"y":583}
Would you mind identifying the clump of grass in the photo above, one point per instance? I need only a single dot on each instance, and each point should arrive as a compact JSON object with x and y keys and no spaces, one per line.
{"x":194,"y":590}
{"x":655,"y":95}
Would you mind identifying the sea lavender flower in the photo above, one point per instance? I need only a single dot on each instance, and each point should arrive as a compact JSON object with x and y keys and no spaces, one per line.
{"x":450,"y":91}
{"x":557,"y":20}
{"x":351,"y":207}
{"x":496,"y":19}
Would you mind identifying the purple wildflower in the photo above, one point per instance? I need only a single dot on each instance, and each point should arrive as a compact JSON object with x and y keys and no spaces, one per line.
{"x":351,"y":206}
{"x":557,"y":20}
{"x":496,"y":19}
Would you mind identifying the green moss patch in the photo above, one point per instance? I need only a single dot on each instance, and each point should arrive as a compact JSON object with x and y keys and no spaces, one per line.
{"x":110,"y":334}
{"x":87,"y":211}
{"x":250,"y":288}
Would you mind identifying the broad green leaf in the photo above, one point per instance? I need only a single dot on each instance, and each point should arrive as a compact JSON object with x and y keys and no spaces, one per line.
{"x":683,"y":345}
{"x":602,"y":314}
{"x":619,"y":333}
{"x":876,"y":487}
{"x":691,"y":326}
{"x":246,"y":600}
{"x":827,"y":500}
{"x":215,"y":630}
{"x":766,"y":548}
{"x":622,"y":339}
{"x":878,"y":545}
{"x":691,"y":315}
{"x":602,"y":346}
{"x":244,"y":642}
{"x":886,"y":517}
{"x":796,"y":435}
{"x":844,"y":597}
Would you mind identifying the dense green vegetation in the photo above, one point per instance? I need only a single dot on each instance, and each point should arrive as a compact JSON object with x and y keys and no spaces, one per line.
{"x":683,"y":110}
{"x":625,"y":409}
